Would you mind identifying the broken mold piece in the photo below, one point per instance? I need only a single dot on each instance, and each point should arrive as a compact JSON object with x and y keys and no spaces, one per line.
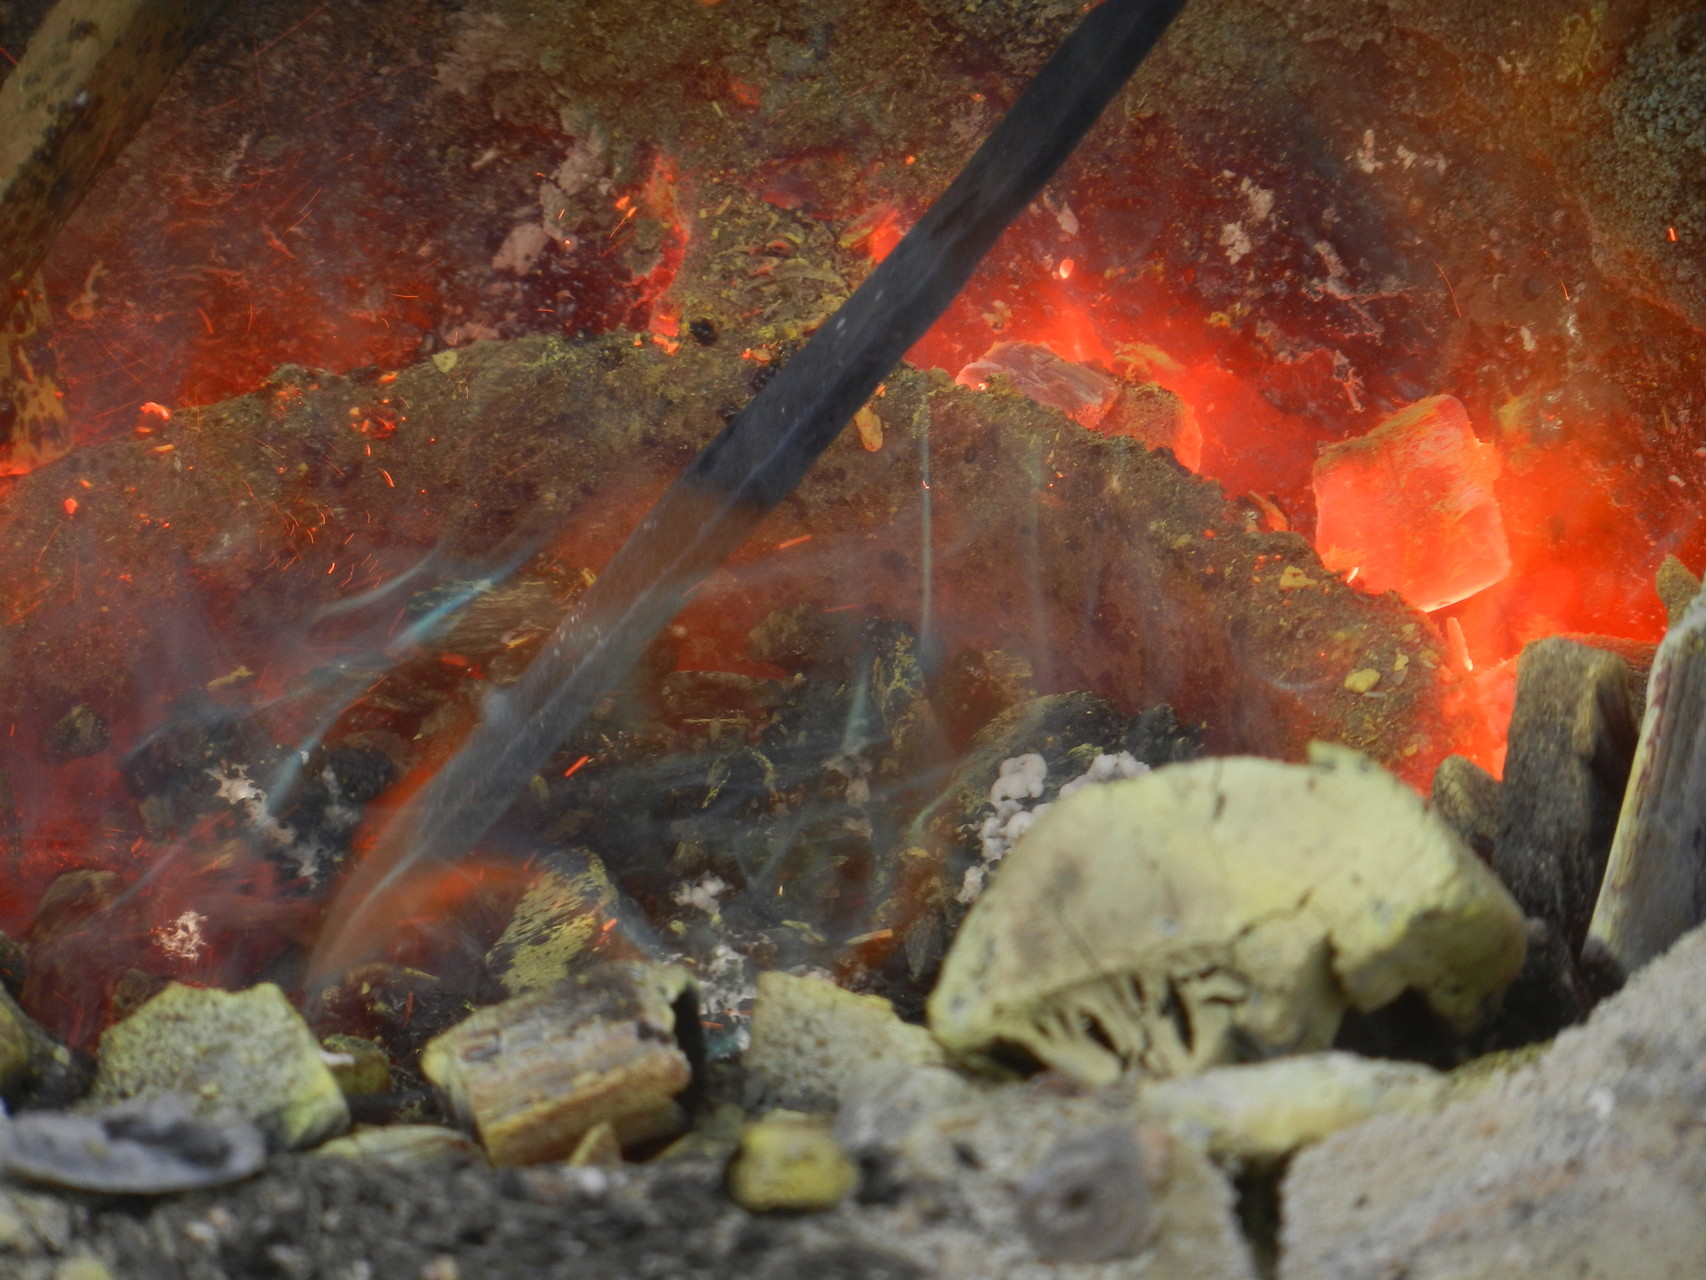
{"x":618,"y":1043}
{"x":1228,"y":907}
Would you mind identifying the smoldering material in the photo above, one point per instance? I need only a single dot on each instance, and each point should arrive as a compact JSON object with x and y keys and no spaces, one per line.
{"x":1089,"y":1199}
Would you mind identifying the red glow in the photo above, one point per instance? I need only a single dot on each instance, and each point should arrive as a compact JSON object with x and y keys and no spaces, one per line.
{"x":1410,"y":505}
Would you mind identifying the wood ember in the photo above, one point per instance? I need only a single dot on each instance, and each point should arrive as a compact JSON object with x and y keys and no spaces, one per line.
{"x":534,"y":1074}
{"x":1655,"y":880}
{"x":1466,"y":796}
{"x":1572,"y":737}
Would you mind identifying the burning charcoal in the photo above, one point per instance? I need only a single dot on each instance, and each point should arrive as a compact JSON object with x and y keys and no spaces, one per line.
{"x":79,"y":732}
{"x":1220,"y":908}
{"x":1410,"y":507}
{"x":1089,"y":1199}
{"x":406,"y":1146}
{"x":719,"y":702}
{"x":799,"y":639}
{"x":1655,"y":877}
{"x":562,"y":917}
{"x":1572,"y":737}
{"x":790,"y":1162}
{"x":810,"y":1037}
{"x":1156,"y":737}
{"x":14,"y":965}
{"x":242,"y":1053}
{"x":1466,"y":797}
{"x":400,"y":1007}
{"x":1266,"y":1111}
{"x":531,"y":1076}
{"x":1077,"y":390}
{"x":151,"y":1146}
{"x":979,"y":685}
{"x":1554,"y":990}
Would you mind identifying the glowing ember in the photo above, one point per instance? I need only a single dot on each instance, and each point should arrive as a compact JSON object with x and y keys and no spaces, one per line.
{"x":1409,"y":507}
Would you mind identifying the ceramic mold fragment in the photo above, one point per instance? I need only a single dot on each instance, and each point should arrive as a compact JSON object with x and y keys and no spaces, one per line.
{"x":1219,"y":910}
{"x":532,"y":1075}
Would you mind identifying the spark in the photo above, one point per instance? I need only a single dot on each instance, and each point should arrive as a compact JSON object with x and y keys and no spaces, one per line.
{"x":575,"y":767}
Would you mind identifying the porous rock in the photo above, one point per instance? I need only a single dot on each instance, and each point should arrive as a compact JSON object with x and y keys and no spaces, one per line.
{"x":1589,"y":1163}
{"x":1164,"y":922}
{"x":810,"y":1037}
{"x":235,"y":1053}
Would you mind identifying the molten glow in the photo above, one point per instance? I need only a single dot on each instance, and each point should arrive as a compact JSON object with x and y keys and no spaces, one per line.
{"x":1412,"y":504}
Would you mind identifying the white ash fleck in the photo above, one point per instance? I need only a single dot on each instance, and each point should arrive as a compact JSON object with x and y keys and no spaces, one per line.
{"x":182,"y":939}
{"x":703,"y":895}
{"x":1023,"y":778}
{"x":1020,"y":778}
{"x":727,"y":991}
{"x":1235,"y":240}
{"x":237,"y":789}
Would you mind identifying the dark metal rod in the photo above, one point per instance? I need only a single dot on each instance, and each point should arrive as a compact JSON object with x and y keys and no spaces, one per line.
{"x":750,"y":467}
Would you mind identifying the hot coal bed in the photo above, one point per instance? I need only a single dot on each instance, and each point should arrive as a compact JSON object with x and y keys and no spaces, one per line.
{"x":1351,"y":366}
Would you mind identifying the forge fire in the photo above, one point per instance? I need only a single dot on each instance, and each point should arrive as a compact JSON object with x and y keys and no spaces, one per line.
{"x":1346,"y":386}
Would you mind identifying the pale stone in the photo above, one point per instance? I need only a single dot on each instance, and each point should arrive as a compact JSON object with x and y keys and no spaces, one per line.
{"x":1267,"y":1110}
{"x":1160,"y":923}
